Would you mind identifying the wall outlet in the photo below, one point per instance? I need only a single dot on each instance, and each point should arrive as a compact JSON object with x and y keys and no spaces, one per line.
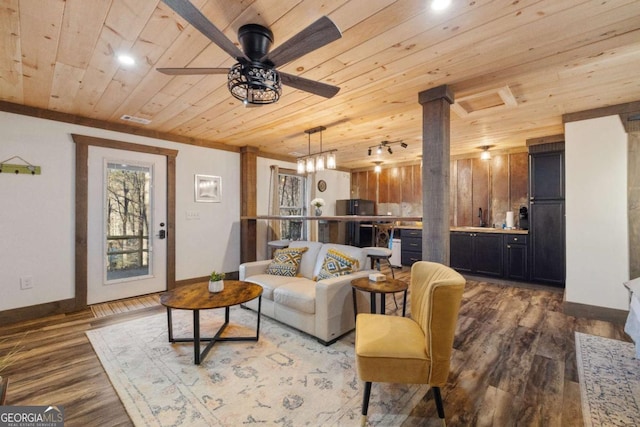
{"x":26,"y":282}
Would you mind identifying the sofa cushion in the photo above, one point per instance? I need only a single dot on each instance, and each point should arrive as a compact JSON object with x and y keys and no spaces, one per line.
{"x":286,"y":262}
{"x":337,"y":263}
{"x":309,"y":258}
{"x":352,"y":251}
{"x":270,"y":283}
{"x":299,"y":295}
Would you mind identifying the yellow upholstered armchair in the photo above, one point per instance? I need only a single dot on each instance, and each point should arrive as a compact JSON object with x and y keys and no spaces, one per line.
{"x":416,"y":349}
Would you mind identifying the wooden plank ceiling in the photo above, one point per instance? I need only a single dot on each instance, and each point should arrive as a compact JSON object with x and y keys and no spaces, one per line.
{"x":554,"y":56}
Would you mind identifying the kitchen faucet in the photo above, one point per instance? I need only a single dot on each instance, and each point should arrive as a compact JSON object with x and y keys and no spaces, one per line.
{"x":482,"y":223}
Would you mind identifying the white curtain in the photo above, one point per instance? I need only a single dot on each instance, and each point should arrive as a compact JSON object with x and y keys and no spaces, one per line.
{"x":273,"y":226}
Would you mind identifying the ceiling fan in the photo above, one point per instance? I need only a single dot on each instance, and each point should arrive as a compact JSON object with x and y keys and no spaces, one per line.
{"x":254,"y":78}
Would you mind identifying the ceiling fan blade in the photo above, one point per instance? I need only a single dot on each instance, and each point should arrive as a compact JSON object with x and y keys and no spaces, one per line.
{"x":311,"y":86}
{"x":193,"y":16}
{"x":192,"y":71}
{"x":316,"y":35}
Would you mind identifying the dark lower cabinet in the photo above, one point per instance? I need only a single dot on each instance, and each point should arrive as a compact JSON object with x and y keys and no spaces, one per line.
{"x":516,"y":257}
{"x":461,"y":252}
{"x":547,"y":242}
{"x":411,"y":251}
{"x":477,"y":253}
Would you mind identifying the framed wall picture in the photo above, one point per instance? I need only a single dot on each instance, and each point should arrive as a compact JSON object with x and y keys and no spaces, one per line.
{"x":208,"y":188}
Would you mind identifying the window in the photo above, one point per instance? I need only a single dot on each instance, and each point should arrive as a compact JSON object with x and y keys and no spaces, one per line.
{"x":291,"y":199}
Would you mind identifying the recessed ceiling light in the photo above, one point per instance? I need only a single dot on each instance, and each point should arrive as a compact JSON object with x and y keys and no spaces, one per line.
{"x":440,"y":4}
{"x":126,"y":60}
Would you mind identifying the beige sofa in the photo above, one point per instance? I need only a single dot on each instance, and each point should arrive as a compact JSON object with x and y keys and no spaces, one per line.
{"x":324,"y":308}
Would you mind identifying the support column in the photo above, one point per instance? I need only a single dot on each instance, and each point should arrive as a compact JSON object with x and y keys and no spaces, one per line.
{"x":248,"y":202}
{"x":436,"y":104}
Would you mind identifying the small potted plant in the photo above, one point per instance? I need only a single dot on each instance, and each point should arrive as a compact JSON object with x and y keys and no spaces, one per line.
{"x":318,"y":203}
{"x":216,"y":281}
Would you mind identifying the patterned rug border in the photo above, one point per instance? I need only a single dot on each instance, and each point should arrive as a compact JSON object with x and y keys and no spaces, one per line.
{"x":609,"y":375}
{"x":133,"y":352}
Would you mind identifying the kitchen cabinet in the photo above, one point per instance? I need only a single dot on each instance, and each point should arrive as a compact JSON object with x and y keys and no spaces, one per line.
{"x":516,"y":257}
{"x":547,"y":232}
{"x":546,"y":216}
{"x":477,"y":253}
{"x":411,"y":246}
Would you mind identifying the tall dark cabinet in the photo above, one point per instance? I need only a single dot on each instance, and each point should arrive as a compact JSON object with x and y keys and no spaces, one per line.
{"x":546,"y":214}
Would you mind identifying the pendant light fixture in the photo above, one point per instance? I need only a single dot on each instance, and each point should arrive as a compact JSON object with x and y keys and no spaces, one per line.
{"x":318,"y":161}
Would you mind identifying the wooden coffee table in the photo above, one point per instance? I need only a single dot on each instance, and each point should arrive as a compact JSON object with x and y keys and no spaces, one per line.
{"x":389,"y":286}
{"x":197,"y":297}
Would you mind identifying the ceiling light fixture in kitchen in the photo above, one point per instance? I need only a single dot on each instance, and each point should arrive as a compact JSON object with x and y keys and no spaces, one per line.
{"x":485,"y":155}
{"x":316,"y":162}
{"x":387,"y":145}
{"x":377,"y":168}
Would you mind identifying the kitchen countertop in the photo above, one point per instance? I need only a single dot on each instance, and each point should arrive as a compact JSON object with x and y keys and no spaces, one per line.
{"x":384,"y":218}
{"x":356,"y":218}
{"x":473,"y":229}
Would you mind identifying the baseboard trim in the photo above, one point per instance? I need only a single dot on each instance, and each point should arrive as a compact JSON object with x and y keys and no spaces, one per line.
{"x":594,"y":312}
{"x":67,"y":306}
{"x":37,"y":311}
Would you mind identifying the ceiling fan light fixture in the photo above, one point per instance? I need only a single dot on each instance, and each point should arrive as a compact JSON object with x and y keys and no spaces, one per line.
{"x":254,"y":83}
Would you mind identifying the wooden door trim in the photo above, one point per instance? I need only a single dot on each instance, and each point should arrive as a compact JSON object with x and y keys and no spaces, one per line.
{"x":82,"y":179}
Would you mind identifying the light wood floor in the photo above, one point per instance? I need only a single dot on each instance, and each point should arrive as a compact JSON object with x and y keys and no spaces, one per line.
{"x":513,"y":363}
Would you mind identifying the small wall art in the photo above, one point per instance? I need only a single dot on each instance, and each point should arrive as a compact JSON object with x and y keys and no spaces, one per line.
{"x":208,"y":188}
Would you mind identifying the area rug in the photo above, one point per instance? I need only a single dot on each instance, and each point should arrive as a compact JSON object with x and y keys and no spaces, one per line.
{"x":609,"y":381}
{"x":285,"y":379}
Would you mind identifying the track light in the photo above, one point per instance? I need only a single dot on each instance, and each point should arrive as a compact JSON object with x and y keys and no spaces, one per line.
{"x":387,"y":145}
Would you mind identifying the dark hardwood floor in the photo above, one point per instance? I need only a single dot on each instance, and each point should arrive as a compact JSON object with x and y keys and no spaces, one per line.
{"x":513,"y":362}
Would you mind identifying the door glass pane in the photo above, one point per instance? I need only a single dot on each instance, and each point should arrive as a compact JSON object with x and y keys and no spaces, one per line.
{"x":127,"y":214}
{"x":291,"y":196}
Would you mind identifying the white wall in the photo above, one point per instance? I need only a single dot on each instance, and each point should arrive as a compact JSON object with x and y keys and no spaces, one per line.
{"x":37,"y":216}
{"x":596,"y":213}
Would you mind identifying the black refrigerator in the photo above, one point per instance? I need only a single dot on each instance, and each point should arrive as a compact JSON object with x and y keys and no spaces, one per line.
{"x":355,"y":233}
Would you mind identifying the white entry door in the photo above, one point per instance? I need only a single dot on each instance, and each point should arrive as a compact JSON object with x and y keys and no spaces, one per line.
{"x":126,"y":231}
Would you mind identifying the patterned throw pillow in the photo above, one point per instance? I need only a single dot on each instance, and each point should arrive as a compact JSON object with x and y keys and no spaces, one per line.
{"x":286,"y":262}
{"x":337,"y":264}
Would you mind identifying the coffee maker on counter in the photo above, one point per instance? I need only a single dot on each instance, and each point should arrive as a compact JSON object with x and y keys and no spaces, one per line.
{"x":524,"y":218}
